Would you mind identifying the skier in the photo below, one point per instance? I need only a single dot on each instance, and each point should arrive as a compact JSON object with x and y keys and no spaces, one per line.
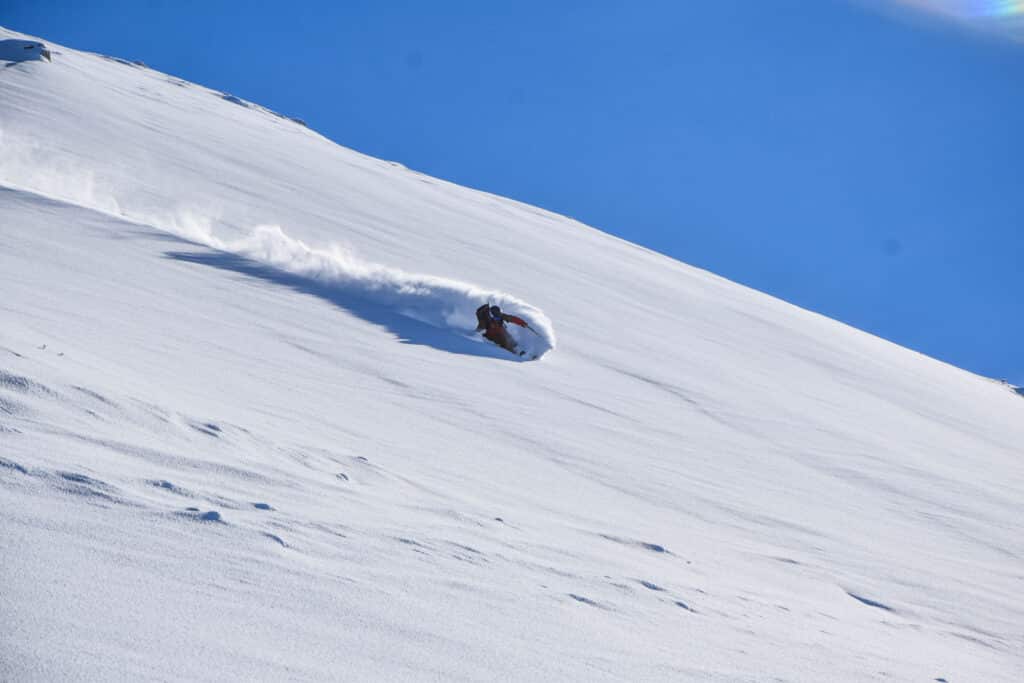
{"x":491,"y":321}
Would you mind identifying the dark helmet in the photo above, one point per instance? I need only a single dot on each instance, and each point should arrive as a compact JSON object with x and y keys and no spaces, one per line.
{"x":495,"y":312}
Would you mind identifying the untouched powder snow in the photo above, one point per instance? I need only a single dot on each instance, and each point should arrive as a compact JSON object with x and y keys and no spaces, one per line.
{"x":242,"y":439}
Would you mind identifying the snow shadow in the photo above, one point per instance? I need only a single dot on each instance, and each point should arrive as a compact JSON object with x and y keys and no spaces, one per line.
{"x":13,"y":51}
{"x":424,"y":309}
{"x":408,"y":330}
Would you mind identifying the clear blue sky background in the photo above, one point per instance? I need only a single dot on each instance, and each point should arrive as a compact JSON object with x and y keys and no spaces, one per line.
{"x":855,"y":163}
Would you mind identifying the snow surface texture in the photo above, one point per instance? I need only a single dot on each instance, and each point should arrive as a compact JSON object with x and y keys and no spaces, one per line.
{"x":226,"y":455}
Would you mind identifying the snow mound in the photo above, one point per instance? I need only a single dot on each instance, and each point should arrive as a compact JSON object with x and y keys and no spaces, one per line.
{"x":16,"y":50}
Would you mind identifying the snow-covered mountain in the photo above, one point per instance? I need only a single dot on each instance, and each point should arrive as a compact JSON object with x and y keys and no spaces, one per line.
{"x":247,"y":432}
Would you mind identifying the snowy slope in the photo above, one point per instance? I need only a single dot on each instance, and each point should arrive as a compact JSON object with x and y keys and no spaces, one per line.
{"x":245,"y":433}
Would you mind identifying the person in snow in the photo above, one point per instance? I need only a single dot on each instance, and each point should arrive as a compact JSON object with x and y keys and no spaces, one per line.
{"x":491,"y":321}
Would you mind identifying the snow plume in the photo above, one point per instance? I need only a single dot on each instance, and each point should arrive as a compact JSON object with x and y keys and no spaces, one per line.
{"x":437,"y":301}
{"x":28,"y":165}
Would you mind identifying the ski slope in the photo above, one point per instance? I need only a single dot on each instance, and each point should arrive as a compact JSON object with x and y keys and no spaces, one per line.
{"x":246,"y":432}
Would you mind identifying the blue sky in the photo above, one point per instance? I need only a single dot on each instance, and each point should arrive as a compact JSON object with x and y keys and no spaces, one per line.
{"x":857,"y":163}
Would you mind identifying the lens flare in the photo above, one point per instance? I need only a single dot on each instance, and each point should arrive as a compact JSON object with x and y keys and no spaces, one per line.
{"x":1001,"y":16}
{"x":970,"y":9}
{"x":1000,"y":8}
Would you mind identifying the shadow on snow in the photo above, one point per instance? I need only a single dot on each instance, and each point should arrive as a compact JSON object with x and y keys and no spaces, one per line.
{"x":408,"y":330}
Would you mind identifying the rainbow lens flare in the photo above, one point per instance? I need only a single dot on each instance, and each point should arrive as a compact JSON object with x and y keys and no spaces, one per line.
{"x":1000,"y":8}
{"x":1006,"y":16}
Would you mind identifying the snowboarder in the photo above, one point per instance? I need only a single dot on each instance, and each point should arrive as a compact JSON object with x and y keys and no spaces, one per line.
{"x":491,"y":321}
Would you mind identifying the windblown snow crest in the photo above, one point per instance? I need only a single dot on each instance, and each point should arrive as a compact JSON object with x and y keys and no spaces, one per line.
{"x":437,"y":301}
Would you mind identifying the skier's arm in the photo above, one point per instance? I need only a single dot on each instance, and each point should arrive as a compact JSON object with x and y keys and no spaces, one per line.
{"x":514,"y":319}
